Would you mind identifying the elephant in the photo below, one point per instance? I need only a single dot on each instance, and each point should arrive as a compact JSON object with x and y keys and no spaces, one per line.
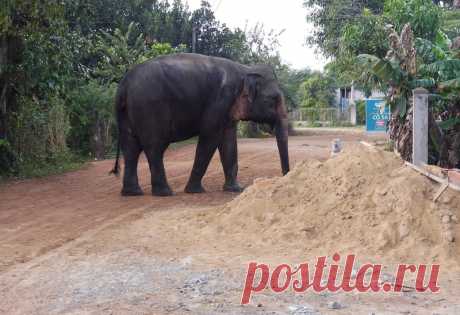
{"x":177,"y":97}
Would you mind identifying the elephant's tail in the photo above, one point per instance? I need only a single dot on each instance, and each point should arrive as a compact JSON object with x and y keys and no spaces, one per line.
{"x":116,"y":169}
{"x":119,"y":107}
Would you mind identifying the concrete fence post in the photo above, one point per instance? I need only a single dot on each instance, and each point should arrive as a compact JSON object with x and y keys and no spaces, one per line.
{"x":420,"y":127}
{"x":353,"y":118}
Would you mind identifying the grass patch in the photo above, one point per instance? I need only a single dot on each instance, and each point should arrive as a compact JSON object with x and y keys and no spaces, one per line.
{"x":58,"y":165}
{"x":30,"y":170}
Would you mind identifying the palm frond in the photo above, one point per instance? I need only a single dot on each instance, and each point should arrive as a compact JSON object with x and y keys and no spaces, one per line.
{"x":453,"y":84}
{"x":443,"y":65}
{"x":366,"y":59}
{"x":424,"y":83}
{"x":448,"y":124}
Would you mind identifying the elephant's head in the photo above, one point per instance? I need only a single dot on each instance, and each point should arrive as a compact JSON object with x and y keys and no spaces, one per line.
{"x":262,"y":101}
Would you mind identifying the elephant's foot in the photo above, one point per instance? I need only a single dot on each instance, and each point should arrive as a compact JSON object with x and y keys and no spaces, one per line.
{"x":234,"y":188}
{"x":132,"y":192}
{"x":194,"y":189}
{"x":163,"y":191}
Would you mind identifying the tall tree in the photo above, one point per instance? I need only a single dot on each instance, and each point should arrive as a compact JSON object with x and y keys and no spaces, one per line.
{"x":330,"y":17}
{"x":318,"y":91}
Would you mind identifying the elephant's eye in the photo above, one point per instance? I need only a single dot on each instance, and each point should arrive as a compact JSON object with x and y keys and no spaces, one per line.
{"x":275,"y":98}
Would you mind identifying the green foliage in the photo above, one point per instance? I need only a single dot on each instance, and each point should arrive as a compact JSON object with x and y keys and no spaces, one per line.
{"x":119,"y":51}
{"x":438,"y":71}
{"x":91,"y":102}
{"x":317,"y":91}
{"x":60,"y":62}
{"x":7,"y":159}
{"x":424,"y":16}
{"x":39,"y":136}
{"x":389,"y":74}
{"x":290,"y":81}
{"x":451,"y":23}
{"x":330,"y":18}
{"x":450,"y":123}
{"x":354,"y":34}
{"x":361,"y":112}
{"x":346,"y":29}
{"x":216,"y":39}
{"x":366,"y":34}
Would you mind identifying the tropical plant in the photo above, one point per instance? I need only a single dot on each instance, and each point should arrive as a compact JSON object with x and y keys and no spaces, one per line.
{"x":424,"y":17}
{"x":401,"y":71}
{"x":60,"y":62}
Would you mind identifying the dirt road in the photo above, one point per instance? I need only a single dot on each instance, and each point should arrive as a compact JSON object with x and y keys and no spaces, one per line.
{"x":70,"y":244}
{"x":39,"y":215}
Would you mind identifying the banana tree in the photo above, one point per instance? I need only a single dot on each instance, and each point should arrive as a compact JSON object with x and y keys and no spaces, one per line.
{"x":410,"y":64}
{"x":396,"y":74}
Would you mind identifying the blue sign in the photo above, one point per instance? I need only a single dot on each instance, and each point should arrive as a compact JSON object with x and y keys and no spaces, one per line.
{"x":377,"y":115}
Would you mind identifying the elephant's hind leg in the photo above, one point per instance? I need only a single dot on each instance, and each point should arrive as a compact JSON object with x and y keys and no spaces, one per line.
{"x":160,"y":186}
{"x":131,"y":151}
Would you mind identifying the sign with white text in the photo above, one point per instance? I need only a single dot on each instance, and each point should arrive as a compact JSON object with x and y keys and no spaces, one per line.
{"x":377,"y":115}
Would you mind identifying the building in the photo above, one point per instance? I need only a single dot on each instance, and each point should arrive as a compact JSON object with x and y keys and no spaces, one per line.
{"x":349,"y":95}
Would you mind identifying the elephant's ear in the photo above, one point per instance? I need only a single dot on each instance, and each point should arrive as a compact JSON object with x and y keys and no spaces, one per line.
{"x":251,"y":85}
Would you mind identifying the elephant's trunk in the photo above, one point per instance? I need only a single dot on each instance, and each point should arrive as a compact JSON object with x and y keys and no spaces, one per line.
{"x":281,"y":130}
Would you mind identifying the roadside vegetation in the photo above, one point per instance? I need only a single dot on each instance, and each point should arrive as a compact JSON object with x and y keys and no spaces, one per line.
{"x":395,"y":46}
{"x":60,"y":63}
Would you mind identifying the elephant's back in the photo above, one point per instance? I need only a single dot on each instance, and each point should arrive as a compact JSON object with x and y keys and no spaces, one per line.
{"x":179,"y":77}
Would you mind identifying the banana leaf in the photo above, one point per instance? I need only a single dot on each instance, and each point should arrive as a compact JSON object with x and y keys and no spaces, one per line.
{"x":450,"y":85}
{"x":384,"y":70}
{"x":401,"y":106}
{"x":448,"y":124}
{"x":366,"y":59}
{"x":424,"y":83}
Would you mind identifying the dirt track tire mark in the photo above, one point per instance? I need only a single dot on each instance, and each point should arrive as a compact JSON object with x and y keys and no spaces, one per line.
{"x":86,"y":236}
{"x":59,"y":210}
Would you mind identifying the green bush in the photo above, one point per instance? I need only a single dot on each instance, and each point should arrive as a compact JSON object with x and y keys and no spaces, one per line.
{"x":91,"y":104}
{"x":361,"y":112}
{"x":60,"y":62}
{"x":38,"y":141}
{"x":8,"y":162}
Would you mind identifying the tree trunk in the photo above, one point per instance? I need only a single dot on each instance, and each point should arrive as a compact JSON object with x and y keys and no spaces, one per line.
{"x":104,"y":138}
{"x":401,"y":134}
{"x":98,"y":140}
{"x":443,"y":150}
{"x":11,"y":48}
{"x":454,"y":152}
{"x":3,"y":85}
{"x":437,"y":142}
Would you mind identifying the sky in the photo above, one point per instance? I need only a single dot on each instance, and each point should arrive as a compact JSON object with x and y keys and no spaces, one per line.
{"x":288,"y":15}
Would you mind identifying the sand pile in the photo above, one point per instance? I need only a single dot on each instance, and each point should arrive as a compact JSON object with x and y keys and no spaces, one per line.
{"x":362,"y":202}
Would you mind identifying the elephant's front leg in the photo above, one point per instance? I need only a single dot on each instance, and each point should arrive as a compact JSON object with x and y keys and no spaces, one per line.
{"x":228,"y":150}
{"x":207,"y":146}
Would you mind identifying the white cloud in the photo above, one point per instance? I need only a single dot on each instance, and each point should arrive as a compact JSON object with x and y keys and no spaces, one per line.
{"x":288,"y":15}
